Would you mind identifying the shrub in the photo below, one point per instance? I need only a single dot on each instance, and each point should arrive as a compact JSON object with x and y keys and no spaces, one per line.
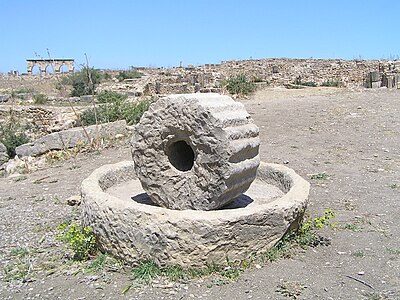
{"x":107,"y":76}
{"x":111,"y":97}
{"x":19,"y":93}
{"x":331,"y":83}
{"x":40,"y":99}
{"x":131,"y":74}
{"x":114,"y":106}
{"x":12,"y":136}
{"x":298,"y":81}
{"x":239,"y":85}
{"x":80,"y":240}
{"x":84,"y":82}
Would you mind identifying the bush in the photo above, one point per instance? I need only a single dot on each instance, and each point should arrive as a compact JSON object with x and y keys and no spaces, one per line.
{"x":40,"y":99}
{"x":111,"y":97}
{"x":12,"y":136}
{"x":114,"y":106}
{"x":131,"y":74}
{"x":239,"y":85}
{"x":84,"y":82}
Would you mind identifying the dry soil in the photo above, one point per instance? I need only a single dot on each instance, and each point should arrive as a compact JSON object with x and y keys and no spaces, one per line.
{"x":351,"y":135}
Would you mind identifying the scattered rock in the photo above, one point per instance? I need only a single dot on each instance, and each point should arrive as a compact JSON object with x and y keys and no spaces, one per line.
{"x":3,"y":154}
{"x":5,"y":98}
{"x":15,"y":165}
{"x":24,"y":165}
{"x":74,"y":200}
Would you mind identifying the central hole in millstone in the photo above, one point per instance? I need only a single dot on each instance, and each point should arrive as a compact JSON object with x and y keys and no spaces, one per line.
{"x":180,"y":155}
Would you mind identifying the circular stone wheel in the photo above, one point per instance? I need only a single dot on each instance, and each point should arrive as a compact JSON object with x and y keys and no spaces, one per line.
{"x":195,"y":151}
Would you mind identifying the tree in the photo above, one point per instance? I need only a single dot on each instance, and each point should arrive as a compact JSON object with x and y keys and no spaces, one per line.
{"x":84,"y":82}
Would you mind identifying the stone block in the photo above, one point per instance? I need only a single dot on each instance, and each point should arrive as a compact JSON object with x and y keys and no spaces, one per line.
{"x":196,"y":151}
{"x":70,"y":138}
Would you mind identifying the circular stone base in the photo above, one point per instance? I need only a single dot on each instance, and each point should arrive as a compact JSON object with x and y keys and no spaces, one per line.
{"x":131,"y":227}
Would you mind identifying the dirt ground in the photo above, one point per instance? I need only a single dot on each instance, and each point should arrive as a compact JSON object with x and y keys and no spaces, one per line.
{"x":351,"y":135}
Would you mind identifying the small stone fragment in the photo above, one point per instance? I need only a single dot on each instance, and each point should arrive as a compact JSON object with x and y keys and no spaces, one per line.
{"x":74,"y":200}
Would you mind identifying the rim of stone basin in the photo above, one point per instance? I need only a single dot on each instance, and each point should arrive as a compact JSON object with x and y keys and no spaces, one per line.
{"x":135,"y":231}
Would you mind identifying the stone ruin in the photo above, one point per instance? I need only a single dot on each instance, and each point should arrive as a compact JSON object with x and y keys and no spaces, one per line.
{"x":196,"y":192}
{"x":56,"y":64}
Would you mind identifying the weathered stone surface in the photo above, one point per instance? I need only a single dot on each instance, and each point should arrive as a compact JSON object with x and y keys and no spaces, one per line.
{"x":3,"y":154}
{"x":70,"y":138}
{"x":133,"y":230}
{"x":196,"y":151}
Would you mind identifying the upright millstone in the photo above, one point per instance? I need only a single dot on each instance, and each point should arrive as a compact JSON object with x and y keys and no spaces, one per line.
{"x":196,"y":151}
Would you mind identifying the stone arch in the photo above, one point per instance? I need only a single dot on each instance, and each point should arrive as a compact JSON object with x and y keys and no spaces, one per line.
{"x":56,"y":65}
{"x":64,"y":68}
{"x":35,"y":70}
{"x":49,"y":69}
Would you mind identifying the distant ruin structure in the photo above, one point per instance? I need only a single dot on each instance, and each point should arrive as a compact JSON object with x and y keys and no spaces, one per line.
{"x":54,"y":64}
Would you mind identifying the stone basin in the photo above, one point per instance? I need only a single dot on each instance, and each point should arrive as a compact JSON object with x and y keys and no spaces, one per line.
{"x":129,"y":226}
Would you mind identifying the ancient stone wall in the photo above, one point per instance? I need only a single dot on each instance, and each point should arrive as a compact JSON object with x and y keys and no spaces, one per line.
{"x":278,"y":72}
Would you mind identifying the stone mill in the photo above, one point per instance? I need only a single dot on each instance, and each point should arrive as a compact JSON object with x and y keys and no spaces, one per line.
{"x":196,"y":191}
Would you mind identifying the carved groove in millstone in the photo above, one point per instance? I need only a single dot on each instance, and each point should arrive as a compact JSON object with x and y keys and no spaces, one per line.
{"x":195,"y":151}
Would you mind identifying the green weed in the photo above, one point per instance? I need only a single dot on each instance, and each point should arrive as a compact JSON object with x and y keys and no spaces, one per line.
{"x":352,"y":227}
{"x":320,"y":176}
{"x":358,"y":253}
{"x":19,"y":252}
{"x":98,"y":263}
{"x":290,"y":289}
{"x":17,"y":270}
{"x":20,"y":178}
{"x":19,"y":267}
{"x":80,"y":240}
{"x":146,"y":272}
{"x":174,"y":273}
{"x":393,"y":251}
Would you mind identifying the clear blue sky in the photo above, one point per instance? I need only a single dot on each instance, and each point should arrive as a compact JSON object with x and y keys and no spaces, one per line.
{"x":119,"y":34}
